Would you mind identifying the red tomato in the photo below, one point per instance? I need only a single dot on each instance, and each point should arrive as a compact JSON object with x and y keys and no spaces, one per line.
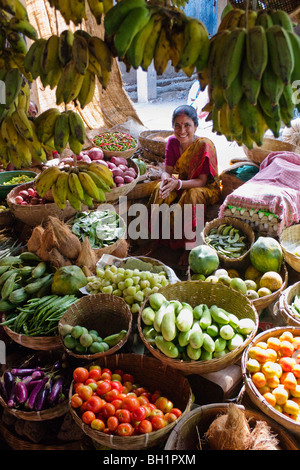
{"x":124,"y":429}
{"x":85,"y":392}
{"x":90,"y":381}
{"x":139,"y":390}
{"x":88,"y":417}
{"x":106,"y":370}
{"x":108,"y":410}
{"x":117,"y":403}
{"x":103,"y":387}
{"x":158,"y":422}
{"x":156,"y":412}
{"x":176,"y":411}
{"x":127,"y":378}
{"x":124,"y":416}
{"x":95,"y":374}
{"x":80,"y":374}
{"x":118,"y":372}
{"x":94,"y":367}
{"x":111,"y":395}
{"x":164,"y":404}
{"x":128,"y":385}
{"x":143,"y":400}
{"x":112,"y":423}
{"x":145,"y":426}
{"x":105,"y":376}
{"x":95,"y":403}
{"x":130,"y":403}
{"x":98,"y":424}
{"x":170,"y":417}
{"x":139,"y":413}
{"x":155,"y":396}
{"x":76,"y":401}
{"x":116,"y":385}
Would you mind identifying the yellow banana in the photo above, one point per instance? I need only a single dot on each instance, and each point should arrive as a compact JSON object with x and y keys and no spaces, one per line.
{"x":45,"y":123}
{"x":103,"y":172}
{"x":87,"y":89}
{"x":9,"y":133}
{"x":49,"y":58}
{"x":23,"y":26}
{"x":75,"y":185}
{"x":14,"y":157}
{"x":196,"y":44}
{"x":72,"y":82}
{"x":75,"y":145}
{"x":32,"y":61}
{"x":64,"y":7}
{"x":53,"y":76}
{"x":77,"y":128}
{"x":66,"y":39}
{"x":162,"y":52}
{"x":132,"y":24}
{"x":100,"y":53}
{"x":97,"y":10}
{"x":257,"y":50}
{"x":281,"y":54}
{"x":80,"y":54}
{"x":232,"y":54}
{"x":74,"y":201}
{"x":251,"y":19}
{"x":36,"y":148}
{"x":233,"y":13}
{"x":46,"y":179}
{"x":61,"y":204}
{"x":17,"y":42}
{"x":107,"y":5}
{"x":176,"y":43}
{"x":78,"y":11}
{"x":61,"y":186}
{"x":24,"y":152}
{"x":236,"y":18}
{"x":89,"y":186}
{"x":61,"y":132}
{"x":115,"y":16}
{"x":250,"y":86}
{"x":24,"y":97}
{"x":20,"y":11}
{"x":22,"y":123}
{"x":99,"y":181}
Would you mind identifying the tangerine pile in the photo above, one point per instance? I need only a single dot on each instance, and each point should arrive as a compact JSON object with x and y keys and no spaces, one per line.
{"x":111,"y":402}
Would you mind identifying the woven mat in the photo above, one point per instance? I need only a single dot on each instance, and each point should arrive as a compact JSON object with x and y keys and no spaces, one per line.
{"x":109,"y":107}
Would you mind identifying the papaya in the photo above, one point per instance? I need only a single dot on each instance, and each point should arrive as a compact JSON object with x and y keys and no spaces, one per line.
{"x":203,"y":260}
{"x":67,"y":280}
{"x":266,"y":254}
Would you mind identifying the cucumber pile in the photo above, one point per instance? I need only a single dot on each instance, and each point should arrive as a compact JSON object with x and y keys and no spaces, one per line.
{"x":182,"y":332}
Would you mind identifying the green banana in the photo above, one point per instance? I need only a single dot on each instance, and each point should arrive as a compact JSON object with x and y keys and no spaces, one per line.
{"x":49,"y":58}
{"x":149,"y":49}
{"x":272,"y":86}
{"x":132,"y":24}
{"x":251,"y":87}
{"x":80,"y":54}
{"x":77,"y":128}
{"x":234,"y":92}
{"x":87,"y":89}
{"x":23,"y":26}
{"x":257,"y":50}
{"x":61,"y":132}
{"x":66,"y":39}
{"x":282,"y":18}
{"x":13,"y":84}
{"x":232,"y":55}
{"x":116,"y":15}
{"x":280,"y":52}
{"x":196,"y":44}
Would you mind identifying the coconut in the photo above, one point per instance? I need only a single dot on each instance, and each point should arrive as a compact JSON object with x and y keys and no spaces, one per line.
{"x":34,"y":241}
{"x":87,"y":256}
{"x":68,"y":243}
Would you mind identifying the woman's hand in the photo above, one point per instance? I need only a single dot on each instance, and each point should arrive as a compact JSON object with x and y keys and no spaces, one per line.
{"x":168,"y":185}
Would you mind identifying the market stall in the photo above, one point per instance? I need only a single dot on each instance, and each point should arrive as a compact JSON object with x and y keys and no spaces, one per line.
{"x":106,"y":347}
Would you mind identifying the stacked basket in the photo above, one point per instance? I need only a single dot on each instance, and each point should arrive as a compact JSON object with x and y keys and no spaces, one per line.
{"x":290,"y":241}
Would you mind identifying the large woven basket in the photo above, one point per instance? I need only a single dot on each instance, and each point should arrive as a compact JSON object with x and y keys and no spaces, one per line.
{"x":117,"y":192}
{"x":105,"y":313}
{"x":253,"y":393}
{"x":154,"y":141}
{"x":284,"y":302}
{"x":258,"y":154}
{"x":153,"y":375}
{"x":228,"y":262}
{"x":39,"y":343}
{"x":289,"y":241}
{"x":35,"y":214}
{"x":189,"y":433}
{"x":195,"y":293}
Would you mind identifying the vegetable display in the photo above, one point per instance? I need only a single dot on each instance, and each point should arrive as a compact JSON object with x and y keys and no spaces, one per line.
{"x":180,"y":331}
{"x":110,"y":401}
{"x":228,"y":240}
{"x":115,"y":141}
{"x":18,"y":180}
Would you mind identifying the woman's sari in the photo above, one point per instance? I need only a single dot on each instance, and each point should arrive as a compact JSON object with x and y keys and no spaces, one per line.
{"x":189,"y":166}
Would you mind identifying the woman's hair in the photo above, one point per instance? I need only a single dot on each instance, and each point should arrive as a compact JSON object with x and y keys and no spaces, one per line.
{"x":188,"y":111}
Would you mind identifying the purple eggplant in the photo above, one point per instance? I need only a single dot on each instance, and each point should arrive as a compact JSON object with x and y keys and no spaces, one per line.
{"x":11,"y":400}
{"x":21,"y":392}
{"x":55,"y":391}
{"x":24,"y":372}
{"x":34,"y":393}
{"x":8,"y":380}
{"x":37,"y":374}
{"x":41,"y":399}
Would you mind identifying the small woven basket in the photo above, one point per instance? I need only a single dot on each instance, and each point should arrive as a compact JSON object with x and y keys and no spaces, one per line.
{"x":189,"y":434}
{"x":258,"y":154}
{"x":117,"y":192}
{"x":289,"y":241}
{"x":253,"y":393}
{"x":39,"y":343}
{"x":117,"y":153}
{"x":35,"y":214}
{"x":155,"y":141}
{"x":263,"y":302}
{"x":195,"y":293}
{"x":153,"y":375}
{"x":105,"y":313}
{"x":284,"y":302}
{"x":236,"y":223}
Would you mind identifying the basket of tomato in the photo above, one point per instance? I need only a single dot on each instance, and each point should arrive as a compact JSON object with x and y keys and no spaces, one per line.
{"x":119,"y":144}
{"x":128,"y":401}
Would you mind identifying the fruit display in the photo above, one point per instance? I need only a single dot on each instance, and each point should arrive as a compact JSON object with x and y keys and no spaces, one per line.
{"x":110,"y":401}
{"x":201,"y":333}
{"x":83,"y":341}
{"x":252,"y":65}
{"x":35,"y":387}
{"x":141,"y":33}
{"x":228,"y":241}
{"x":81,"y":185}
{"x":273,"y":366}
{"x":132,"y":284}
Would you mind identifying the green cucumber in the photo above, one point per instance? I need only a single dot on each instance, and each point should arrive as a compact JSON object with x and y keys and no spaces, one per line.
{"x":218,"y":315}
{"x":168,"y":348}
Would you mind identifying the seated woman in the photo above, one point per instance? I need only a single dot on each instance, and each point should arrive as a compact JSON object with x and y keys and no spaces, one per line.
{"x":194,"y":159}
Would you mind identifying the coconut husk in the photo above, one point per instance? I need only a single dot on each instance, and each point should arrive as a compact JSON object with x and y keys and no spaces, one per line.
{"x":122,"y":249}
{"x":68,"y":243}
{"x":87,"y":256}
{"x":262,"y":437}
{"x":34,"y":242}
{"x":57,"y":259}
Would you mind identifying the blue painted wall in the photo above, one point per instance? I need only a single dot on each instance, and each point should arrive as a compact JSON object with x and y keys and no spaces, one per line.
{"x":206,"y":11}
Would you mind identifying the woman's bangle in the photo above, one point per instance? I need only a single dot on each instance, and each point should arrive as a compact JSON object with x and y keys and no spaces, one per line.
{"x":179,"y":185}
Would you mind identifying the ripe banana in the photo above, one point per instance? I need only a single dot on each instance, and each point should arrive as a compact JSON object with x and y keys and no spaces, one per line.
{"x":87,"y":89}
{"x":32,"y":61}
{"x":257,"y":50}
{"x":22,"y":123}
{"x":99,"y":181}
{"x":14,"y":158}
{"x":77,"y":128}
{"x":61,"y":132}
{"x":80,"y":54}
{"x":89,"y":186}
{"x":24,"y":152}
{"x":161,"y":53}
{"x":64,"y":6}
{"x":49,"y":58}
{"x":176,"y":45}
{"x":75,"y":185}
{"x":102,"y":59}
{"x":78,"y":11}
{"x":45,"y":124}
{"x":69,"y":84}
{"x":132,"y":24}
{"x":149,"y":49}
{"x":116,"y":15}
{"x":46,"y":179}
{"x":8,"y":132}
{"x":20,"y":11}
{"x":280,"y":52}
{"x":196,"y":44}
{"x":17,"y":42}
{"x":103,"y":172}
{"x":233,"y":15}
{"x":233,"y":53}
{"x":97,"y":10}
{"x":61,"y":188}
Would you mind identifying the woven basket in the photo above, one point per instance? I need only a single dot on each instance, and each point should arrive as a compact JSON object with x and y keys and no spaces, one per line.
{"x":39,"y":343}
{"x":236,"y":223}
{"x":229,"y":181}
{"x":189,"y":434}
{"x":116,"y":193}
{"x":35,"y":214}
{"x":105,"y":313}
{"x":258,"y":154}
{"x":289,"y":241}
{"x":263,"y":302}
{"x":253,"y":393}
{"x":198,"y":292}
{"x":153,"y":375}
{"x":143,"y":189}
{"x":285,"y":300}
{"x":122,"y":153}
{"x":147,"y":140}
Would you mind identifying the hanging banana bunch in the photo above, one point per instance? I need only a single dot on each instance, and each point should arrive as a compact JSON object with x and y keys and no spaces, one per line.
{"x":70,"y":62}
{"x":75,"y":11}
{"x":251,"y":74}
{"x":139,"y":33}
